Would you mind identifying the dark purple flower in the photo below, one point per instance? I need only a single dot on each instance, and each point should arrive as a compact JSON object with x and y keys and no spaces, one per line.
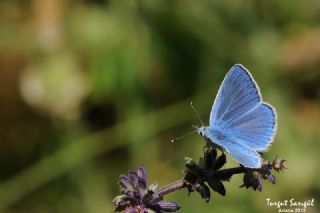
{"x":278,"y":164}
{"x":266,"y":174}
{"x":137,"y":197}
{"x":253,"y":177}
{"x":206,"y":173}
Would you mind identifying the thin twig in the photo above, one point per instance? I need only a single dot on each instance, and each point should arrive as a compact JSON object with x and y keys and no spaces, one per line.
{"x":231,"y":171}
{"x":171,"y":187}
{"x":180,"y":184}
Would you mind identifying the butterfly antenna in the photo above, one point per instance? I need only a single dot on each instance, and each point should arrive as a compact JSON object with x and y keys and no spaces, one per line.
{"x":197,"y":114}
{"x":183,"y":136}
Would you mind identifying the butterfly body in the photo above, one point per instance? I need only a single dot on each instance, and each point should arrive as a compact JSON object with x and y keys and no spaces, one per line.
{"x":214,"y":133}
{"x":240,"y":122}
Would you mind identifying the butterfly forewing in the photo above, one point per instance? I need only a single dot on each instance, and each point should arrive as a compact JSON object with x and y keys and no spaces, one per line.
{"x":238,"y":94}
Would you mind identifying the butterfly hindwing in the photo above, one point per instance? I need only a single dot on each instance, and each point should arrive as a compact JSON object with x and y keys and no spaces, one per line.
{"x":255,"y":128}
{"x":240,"y":152}
{"x":243,"y":154}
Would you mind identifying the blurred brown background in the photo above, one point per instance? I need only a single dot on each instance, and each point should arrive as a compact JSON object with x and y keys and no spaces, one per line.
{"x":92,"y":88}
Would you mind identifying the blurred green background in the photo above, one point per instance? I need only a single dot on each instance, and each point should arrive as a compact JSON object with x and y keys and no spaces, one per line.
{"x":92,"y":88}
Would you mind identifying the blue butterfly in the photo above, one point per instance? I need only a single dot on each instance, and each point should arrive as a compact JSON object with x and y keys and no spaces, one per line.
{"x":240,"y":122}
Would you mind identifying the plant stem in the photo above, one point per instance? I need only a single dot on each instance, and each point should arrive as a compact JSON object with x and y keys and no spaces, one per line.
{"x":180,"y":184}
{"x":171,"y":187}
{"x":231,"y":171}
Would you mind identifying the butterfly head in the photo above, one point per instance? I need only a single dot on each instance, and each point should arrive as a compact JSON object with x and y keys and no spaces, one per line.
{"x":201,"y":130}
